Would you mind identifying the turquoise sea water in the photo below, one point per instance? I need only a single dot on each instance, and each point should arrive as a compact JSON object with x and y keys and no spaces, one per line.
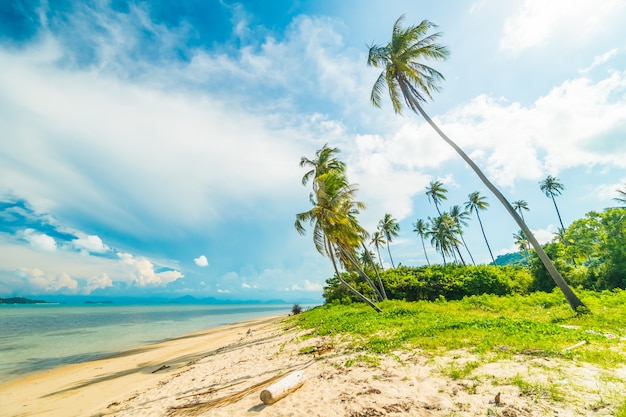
{"x":44,"y":336}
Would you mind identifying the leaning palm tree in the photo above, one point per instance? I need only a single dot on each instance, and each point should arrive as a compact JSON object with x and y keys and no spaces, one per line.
{"x":421,"y":228}
{"x":336,"y":233}
{"x":378,"y":240}
{"x":551,"y":188}
{"x":390,"y":228}
{"x":477,"y":203}
{"x":520,"y":206}
{"x":408,"y":79}
{"x":436,"y":193}
{"x":622,"y":196}
{"x":460,"y":220}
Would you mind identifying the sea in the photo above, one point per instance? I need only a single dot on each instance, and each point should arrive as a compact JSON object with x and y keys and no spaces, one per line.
{"x":43,"y":336}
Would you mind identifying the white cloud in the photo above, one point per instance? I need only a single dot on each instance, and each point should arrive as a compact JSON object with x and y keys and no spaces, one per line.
{"x":142,"y":273}
{"x":39,"y":241}
{"x":201,"y":261}
{"x":90,"y":243}
{"x":599,"y":60}
{"x":37,"y":281}
{"x":308,"y":286}
{"x":538,"y":21}
{"x":94,"y":283}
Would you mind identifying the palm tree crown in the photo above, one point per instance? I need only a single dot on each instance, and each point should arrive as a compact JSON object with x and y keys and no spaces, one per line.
{"x":520,"y":206}
{"x":476,"y":203}
{"x":551,"y":188}
{"x":437,"y":193}
{"x":421,"y":228}
{"x":390,"y":228}
{"x":403,"y":71}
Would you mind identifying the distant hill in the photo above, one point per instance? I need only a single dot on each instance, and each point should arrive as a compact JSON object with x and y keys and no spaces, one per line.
{"x":21,"y":300}
{"x":514,"y":258}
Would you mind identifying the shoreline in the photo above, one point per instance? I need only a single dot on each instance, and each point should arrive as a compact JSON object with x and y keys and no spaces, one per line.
{"x":88,"y":388}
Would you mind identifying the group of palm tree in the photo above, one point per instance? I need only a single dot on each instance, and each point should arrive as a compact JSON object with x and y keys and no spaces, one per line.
{"x":409,"y":82}
{"x":445,"y":231}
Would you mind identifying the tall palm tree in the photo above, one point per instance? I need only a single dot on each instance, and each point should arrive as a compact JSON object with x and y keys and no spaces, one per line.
{"x":378,"y":240}
{"x":460,"y":219}
{"x":551,"y":188}
{"x":437,"y":193}
{"x":390,"y":228}
{"x":421,"y":228}
{"x":410,"y":80}
{"x":622,"y":196}
{"x":477,"y":203}
{"x":520,"y":206}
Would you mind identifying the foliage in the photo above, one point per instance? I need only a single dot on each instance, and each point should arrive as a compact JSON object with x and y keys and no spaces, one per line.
{"x":438,"y":282}
{"x":296,"y":309}
{"x":597,"y":243}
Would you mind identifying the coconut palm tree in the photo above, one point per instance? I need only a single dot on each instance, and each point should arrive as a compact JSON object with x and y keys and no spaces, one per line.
{"x":378,"y":240}
{"x":336,"y":232}
{"x":622,"y":196}
{"x":390,"y":228}
{"x":441,"y":236}
{"x":520,"y":206}
{"x":421,"y":228}
{"x":436,"y":193}
{"x":460,"y":219}
{"x":551,"y":188}
{"x":409,"y":80}
{"x":477,"y":203}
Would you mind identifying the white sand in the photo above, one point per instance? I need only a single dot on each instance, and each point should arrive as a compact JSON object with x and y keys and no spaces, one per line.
{"x":222,"y":372}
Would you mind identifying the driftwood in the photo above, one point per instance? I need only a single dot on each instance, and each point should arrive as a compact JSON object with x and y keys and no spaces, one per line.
{"x":282,"y":388}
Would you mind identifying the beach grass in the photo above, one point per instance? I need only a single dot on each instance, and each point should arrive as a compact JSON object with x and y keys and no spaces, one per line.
{"x":488,"y":326}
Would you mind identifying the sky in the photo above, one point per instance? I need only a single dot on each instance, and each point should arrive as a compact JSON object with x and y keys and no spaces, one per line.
{"x":153,"y":148}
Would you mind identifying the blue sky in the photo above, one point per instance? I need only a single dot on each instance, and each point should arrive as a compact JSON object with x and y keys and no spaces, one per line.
{"x":152,"y":148}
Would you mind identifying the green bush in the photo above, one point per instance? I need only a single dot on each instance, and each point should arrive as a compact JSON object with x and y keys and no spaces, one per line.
{"x":437,"y":282}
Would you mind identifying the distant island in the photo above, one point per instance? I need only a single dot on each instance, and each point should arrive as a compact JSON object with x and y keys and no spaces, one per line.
{"x":21,"y":300}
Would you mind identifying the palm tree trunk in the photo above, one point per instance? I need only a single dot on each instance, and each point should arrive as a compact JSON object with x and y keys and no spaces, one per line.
{"x":459,"y":252}
{"x":366,"y":300}
{"x":424,"y":247}
{"x":467,"y":249}
{"x":355,"y":265}
{"x":380,"y":281}
{"x":557,"y":213}
{"x":485,"y":236}
{"x":380,"y":259}
{"x":389,"y":250}
{"x":573,"y":300}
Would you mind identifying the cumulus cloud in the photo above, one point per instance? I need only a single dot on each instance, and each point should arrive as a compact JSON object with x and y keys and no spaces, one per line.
{"x":37,"y":281}
{"x":307,"y":286}
{"x":142,"y":273}
{"x":201,"y":261}
{"x":90,"y":243}
{"x":39,"y":241}
{"x":537,"y":21}
{"x":94,"y":283}
{"x":599,"y":60}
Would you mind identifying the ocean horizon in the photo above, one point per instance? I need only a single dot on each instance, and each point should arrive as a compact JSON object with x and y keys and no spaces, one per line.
{"x":38,"y":337}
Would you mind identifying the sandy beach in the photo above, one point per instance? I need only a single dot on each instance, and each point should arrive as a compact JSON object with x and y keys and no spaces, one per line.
{"x":221,"y":372}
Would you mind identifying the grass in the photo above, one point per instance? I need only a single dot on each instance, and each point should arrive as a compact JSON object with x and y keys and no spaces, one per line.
{"x":539,"y":324}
